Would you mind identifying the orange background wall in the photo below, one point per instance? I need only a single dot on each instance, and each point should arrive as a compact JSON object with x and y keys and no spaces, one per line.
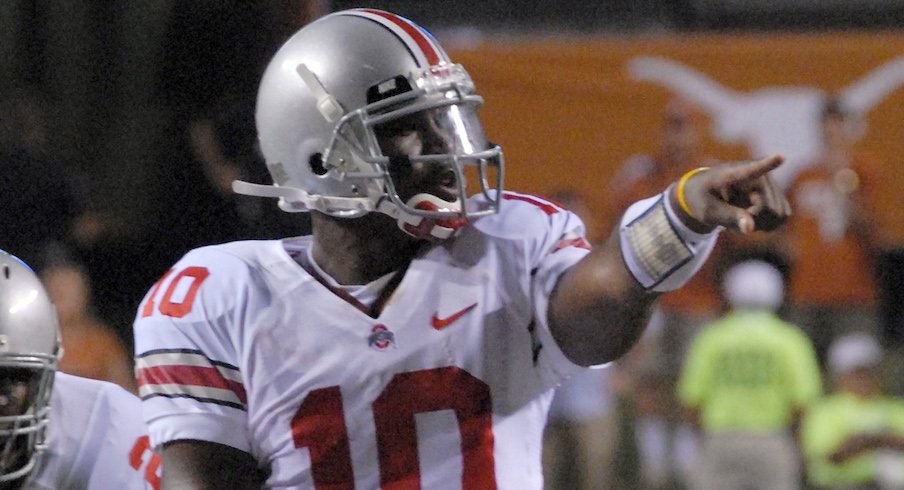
{"x":568,"y":115}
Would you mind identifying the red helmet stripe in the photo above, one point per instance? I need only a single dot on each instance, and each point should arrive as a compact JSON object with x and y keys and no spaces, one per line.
{"x":426,"y":44}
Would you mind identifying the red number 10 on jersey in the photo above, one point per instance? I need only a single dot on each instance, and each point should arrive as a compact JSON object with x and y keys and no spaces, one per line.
{"x":168,"y":307}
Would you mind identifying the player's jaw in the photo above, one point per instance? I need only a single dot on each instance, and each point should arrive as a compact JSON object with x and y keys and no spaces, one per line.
{"x":14,"y":457}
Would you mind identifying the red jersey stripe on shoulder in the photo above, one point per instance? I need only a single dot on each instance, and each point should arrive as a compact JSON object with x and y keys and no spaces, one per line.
{"x":547,"y":206}
{"x":179,"y":379}
{"x":427,"y":46}
{"x":572,"y":240}
{"x":189,"y":373}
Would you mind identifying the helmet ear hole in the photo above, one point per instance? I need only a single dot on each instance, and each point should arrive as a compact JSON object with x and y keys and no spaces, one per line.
{"x":316,"y":164}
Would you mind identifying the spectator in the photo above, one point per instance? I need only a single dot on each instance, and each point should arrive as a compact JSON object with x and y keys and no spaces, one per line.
{"x":854,"y":438}
{"x":92,"y":348}
{"x":578,"y":440}
{"x":832,"y":239}
{"x":748,"y":377}
{"x":655,"y":448}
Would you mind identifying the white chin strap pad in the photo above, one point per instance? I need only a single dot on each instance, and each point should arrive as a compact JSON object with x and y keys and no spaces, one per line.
{"x":426,"y":228}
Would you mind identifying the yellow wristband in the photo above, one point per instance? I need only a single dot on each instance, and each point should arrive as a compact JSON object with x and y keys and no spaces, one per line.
{"x":680,"y":190}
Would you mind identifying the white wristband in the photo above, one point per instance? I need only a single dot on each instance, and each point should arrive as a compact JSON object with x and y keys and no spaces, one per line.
{"x":661,"y":252}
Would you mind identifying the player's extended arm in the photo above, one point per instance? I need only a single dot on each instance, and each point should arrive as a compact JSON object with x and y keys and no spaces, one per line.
{"x":598,"y":309}
{"x":203,"y":465}
{"x":858,"y":444}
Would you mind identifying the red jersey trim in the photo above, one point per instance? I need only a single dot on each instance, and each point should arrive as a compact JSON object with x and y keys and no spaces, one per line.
{"x":547,"y":207}
{"x":189,"y":374}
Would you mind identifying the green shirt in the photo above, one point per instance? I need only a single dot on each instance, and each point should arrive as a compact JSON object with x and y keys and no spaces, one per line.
{"x":749,"y":371}
{"x":830,"y":421}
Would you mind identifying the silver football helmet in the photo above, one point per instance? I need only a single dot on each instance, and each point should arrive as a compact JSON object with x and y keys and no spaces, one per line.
{"x":29,"y":352}
{"x":337,"y":80}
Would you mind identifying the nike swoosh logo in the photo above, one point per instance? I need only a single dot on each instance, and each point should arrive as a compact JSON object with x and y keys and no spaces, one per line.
{"x":441,"y":323}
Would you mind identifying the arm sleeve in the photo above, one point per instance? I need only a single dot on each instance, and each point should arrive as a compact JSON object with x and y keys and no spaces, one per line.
{"x":97,"y":440}
{"x":553,"y":240}
{"x":187,"y":364}
{"x":820,"y":435}
{"x":126,"y":459}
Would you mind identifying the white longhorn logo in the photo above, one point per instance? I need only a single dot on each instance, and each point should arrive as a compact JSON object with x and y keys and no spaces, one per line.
{"x":779,"y":119}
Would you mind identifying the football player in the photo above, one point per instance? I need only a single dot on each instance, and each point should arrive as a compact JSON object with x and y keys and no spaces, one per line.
{"x":59,"y":431}
{"x":415,"y":338}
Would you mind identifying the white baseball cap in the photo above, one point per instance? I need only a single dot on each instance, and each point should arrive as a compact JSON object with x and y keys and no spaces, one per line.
{"x":754,"y":284}
{"x":852,"y":351}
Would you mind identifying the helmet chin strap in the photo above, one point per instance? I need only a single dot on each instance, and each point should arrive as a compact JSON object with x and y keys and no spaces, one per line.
{"x":297,"y":200}
{"x":422,"y":227}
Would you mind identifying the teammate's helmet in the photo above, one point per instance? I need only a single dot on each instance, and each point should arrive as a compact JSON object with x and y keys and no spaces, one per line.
{"x":331,"y":84}
{"x":29,"y":351}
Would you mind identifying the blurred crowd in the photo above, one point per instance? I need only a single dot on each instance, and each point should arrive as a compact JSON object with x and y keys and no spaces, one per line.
{"x":778,"y":366}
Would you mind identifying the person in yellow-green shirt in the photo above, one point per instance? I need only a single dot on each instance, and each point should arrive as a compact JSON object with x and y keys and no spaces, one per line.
{"x":854,"y":438}
{"x":745,"y":382}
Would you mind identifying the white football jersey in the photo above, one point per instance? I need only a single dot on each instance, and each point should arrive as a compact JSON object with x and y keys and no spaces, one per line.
{"x":444,"y":384}
{"x":96,"y":440}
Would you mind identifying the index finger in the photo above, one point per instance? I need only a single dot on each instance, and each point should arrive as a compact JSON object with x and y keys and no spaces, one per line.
{"x":754,"y":169}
